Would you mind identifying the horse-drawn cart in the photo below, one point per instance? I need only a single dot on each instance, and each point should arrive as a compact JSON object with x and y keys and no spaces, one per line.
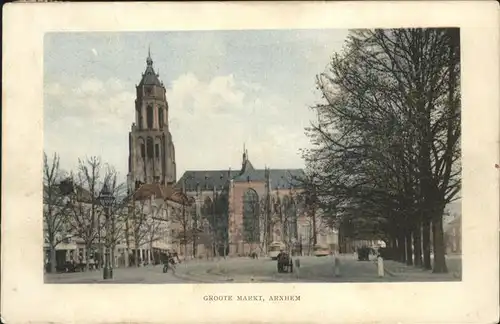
{"x":285,"y":263}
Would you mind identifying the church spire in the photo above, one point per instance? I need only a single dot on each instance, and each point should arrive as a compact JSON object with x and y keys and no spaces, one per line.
{"x":245,"y":156}
{"x":149,"y":77}
{"x":149,"y":60}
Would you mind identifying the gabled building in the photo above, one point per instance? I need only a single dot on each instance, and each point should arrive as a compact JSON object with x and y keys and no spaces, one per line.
{"x":250,"y":208}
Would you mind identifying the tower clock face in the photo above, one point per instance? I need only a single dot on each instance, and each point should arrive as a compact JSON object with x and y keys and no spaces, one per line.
{"x":148,"y":91}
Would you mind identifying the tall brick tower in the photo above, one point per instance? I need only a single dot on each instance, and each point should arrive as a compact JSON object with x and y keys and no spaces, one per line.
{"x":151,"y":149}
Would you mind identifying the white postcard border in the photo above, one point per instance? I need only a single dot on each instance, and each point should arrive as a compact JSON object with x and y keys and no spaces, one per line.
{"x":25,"y":297}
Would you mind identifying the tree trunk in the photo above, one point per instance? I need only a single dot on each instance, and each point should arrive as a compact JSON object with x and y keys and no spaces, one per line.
{"x":194,"y":247}
{"x":438,"y":243}
{"x":88,"y":248}
{"x":394,"y":244}
{"x":417,"y":241}
{"x":185,"y":250}
{"x":127,"y":240}
{"x":136,"y":253}
{"x":315,"y":239}
{"x":409,"y":247}
{"x":52,"y":259}
{"x":426,"y":244}
{"x":153,"y":254}
{"x":401,"y":248}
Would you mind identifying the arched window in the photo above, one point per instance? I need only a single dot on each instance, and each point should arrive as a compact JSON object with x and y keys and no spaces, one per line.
{"x":292,"y":219}
{"x":285,"y":205}
{"x":207,"y":211}
{"x":285,"y":202}
{"x":149,"y":145}
{"x":251,"y":224}
{"x":149,"y":116}
{"x":140,"y":121}
{"x":160,"y":117}
{"x":143,"y":150}
{"x":142,"y":147}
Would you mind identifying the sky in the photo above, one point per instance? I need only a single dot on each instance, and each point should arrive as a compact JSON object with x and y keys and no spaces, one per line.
{"x":225,"y":89}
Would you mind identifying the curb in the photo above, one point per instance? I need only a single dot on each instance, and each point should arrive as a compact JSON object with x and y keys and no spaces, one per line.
{"x":455,"y":274}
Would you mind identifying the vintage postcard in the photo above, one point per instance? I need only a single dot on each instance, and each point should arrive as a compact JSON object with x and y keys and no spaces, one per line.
{"x":264,"y":162}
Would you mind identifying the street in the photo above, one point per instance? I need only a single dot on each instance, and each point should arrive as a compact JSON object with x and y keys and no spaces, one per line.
{"x":246,"y":270}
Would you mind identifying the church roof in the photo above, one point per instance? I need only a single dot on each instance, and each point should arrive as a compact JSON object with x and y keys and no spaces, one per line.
{"x":279,"y":178}
{"x":149,"y":77}
{"x":207,"y":179}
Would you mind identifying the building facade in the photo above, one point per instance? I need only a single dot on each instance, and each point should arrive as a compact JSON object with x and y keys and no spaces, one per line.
{"x":151,"y":148}
{"x":453,"y":235}
{"x":248,"y":209}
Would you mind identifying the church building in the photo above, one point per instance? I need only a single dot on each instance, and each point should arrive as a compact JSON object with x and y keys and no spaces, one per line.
{"x":236,"y":212}
{"x":249,"y":209}
{"x":151,"y":148}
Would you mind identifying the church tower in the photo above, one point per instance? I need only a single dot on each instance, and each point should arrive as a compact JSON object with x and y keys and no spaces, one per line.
{"x":151,"y":149}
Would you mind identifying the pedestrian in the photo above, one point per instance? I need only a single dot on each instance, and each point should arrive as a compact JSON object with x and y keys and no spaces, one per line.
{"x":176,"y":255}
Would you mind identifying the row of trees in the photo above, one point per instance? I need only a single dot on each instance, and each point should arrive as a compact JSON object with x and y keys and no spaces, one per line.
{"x":72,"y":209}
{"x":386,"y":155}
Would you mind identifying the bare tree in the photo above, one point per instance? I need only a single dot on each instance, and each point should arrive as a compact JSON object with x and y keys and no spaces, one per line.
{"x":139,"y":225}
{"x":55,"y":202}
{"x":221,"y":223}
{"x":118,"y":211}
{"x":209,"y":218}
{"x":156,"y":224}
{"x":85,"y":212}
{"x":182,"y":216}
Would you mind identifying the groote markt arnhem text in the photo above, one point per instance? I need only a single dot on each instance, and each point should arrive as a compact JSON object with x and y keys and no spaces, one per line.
{"x":252,"y":298}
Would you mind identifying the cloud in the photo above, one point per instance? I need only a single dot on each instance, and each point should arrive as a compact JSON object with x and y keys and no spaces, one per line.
{"x":219,"y":95}
{"x":209,"y":120}
{"x":93,"y":101}
{"x":87,"y":119}
{"x":89,"y":87}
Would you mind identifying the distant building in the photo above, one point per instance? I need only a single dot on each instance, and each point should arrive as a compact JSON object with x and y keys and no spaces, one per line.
{"x":453,"y":235}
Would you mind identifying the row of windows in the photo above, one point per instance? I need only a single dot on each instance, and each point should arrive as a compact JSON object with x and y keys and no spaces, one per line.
{"x":149,"y":150}
{"x":150,"y":118}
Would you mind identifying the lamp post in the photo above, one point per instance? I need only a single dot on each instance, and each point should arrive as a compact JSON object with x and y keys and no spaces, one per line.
{"x":107,"y":199}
